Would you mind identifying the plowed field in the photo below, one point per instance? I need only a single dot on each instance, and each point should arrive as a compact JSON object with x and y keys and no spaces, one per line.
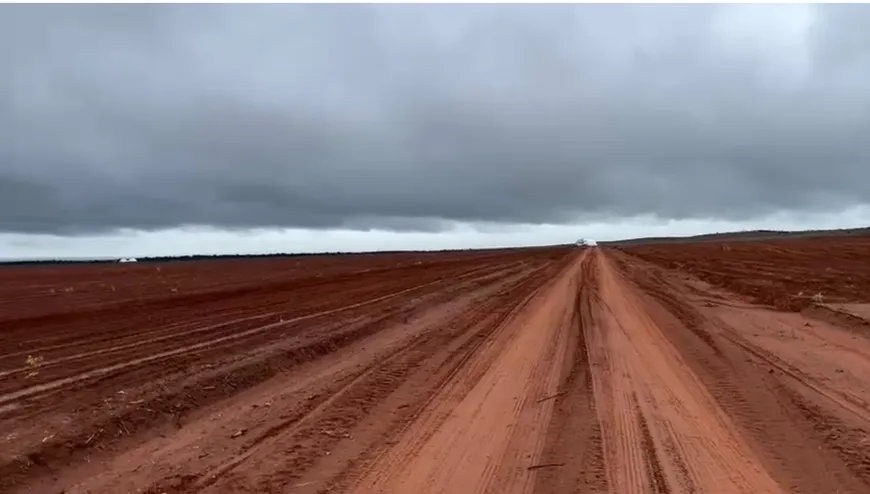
{"x":522,"y":371}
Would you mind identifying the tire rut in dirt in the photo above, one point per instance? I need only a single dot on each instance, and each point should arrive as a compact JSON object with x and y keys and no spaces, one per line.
{"x":171,"y":405}
{"x":651,"y":282}
{"x":574,"y":437}
{"x":657,"y":481}
{"x":847,"y":403}
{"x":848,"y":443}
{"x":301,"y":440}
{"x":509,"y":304}
{"x":463,"y":370}
{"x":805,"y":449}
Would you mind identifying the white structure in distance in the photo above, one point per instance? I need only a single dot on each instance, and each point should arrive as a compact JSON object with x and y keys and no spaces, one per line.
{"x":127,"y":259}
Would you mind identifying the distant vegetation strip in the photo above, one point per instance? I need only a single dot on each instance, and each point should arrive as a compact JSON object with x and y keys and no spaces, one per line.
{"x":215,"y":257}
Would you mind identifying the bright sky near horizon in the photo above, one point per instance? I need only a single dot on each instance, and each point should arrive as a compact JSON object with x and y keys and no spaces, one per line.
{"x":133,"y":130}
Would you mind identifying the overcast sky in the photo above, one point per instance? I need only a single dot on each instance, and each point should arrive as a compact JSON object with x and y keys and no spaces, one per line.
{"x":291,"y":127}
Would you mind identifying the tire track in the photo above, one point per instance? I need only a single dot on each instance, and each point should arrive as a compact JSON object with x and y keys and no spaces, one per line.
{"x":482,"y":430}
{"x":450,"y":372}
{"x":659,"y":406}
{"x":793,"y":428}
{"x":379,"y":376}
{"x":574,"y":436}
{"x":352,"y":401}
{"x":850,"y":444}
{"x":654,"y":471}
{"x":653,"y":284}
{"x":846,"y":402}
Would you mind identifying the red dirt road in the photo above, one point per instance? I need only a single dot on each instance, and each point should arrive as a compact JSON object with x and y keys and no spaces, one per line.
{"x":527,"y":371}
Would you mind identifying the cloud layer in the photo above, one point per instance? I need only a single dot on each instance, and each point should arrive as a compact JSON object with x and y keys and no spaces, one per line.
{"x":415,"y":117}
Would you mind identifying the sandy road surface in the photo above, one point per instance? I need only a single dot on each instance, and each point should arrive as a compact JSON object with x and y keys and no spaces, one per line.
{"x":553,"y":371}
{"x":618,"y":379}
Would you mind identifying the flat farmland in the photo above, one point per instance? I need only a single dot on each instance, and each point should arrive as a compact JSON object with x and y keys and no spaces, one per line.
{"x":788,"y":274}
{"x":650,"y":369}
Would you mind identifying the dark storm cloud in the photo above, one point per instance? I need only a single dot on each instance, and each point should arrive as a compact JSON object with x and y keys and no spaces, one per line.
{"x":409,"y":117}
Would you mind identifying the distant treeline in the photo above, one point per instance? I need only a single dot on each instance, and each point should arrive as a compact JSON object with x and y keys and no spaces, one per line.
{"x":164,"y":259}
{"x":220,"y":257}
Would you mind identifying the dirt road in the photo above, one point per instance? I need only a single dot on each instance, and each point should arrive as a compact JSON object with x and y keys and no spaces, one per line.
{"x":557,"y":371}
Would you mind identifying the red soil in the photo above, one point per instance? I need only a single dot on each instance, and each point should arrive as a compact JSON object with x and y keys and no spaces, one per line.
{"x":541,"y":370}
{"x":783,"y":273}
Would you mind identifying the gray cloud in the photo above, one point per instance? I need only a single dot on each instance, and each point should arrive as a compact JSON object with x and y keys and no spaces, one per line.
{"x":410,"y":117}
